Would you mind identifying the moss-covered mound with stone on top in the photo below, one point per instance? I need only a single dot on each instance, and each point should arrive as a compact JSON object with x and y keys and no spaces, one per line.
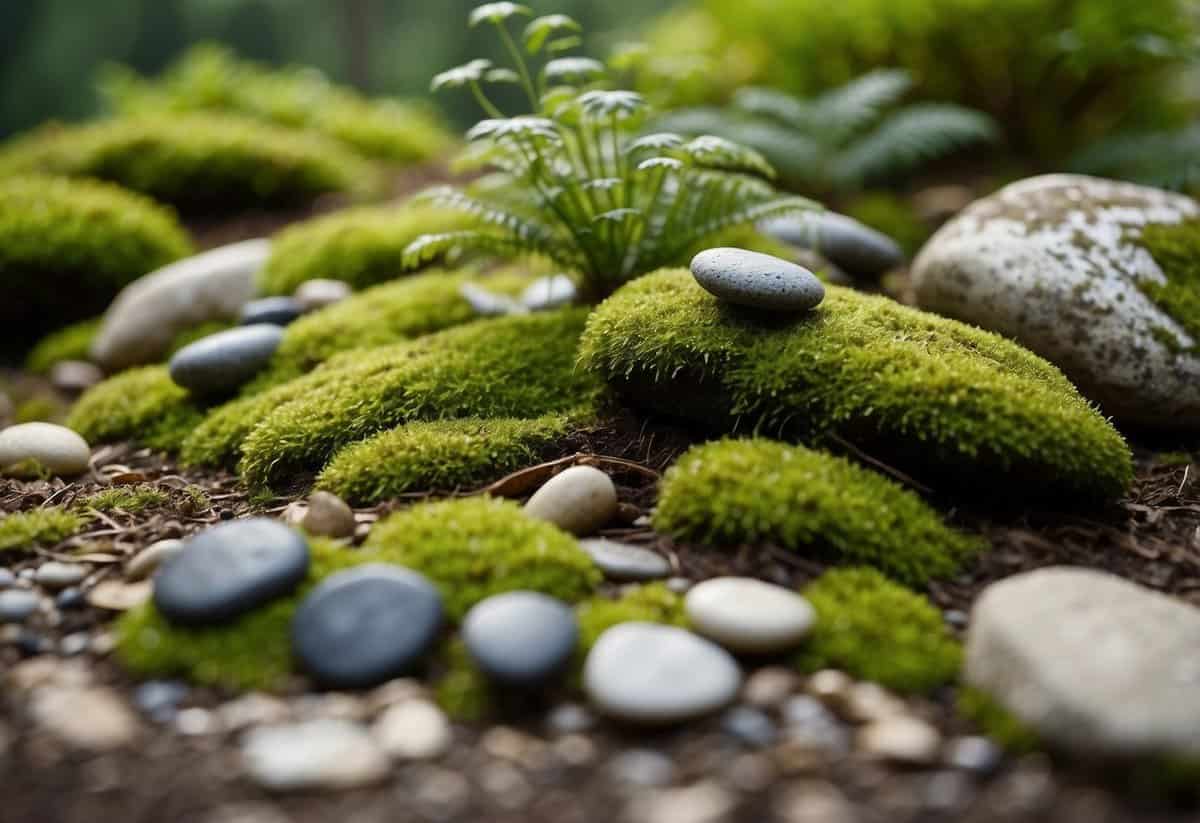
{"x":932,"y":396}
{"x":143,"y":404}
{"x":362,"y":246}
{"x":197,"y":162}
{"x":520,"y":366}
{"x":474,"y":547}
{"x":877,"y":630}
{"x":760,"y":491}
{"x":68,"y":246}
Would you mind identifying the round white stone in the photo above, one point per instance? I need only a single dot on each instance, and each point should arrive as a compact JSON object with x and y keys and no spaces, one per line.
{"x":760,"y":281}
{"x":650,"y":673}
{"x":56,"y":448}
{"x":748,"y":615}
{"x":413,"y":730}
{"x":578,"y":500}
{"x":316,"y":754}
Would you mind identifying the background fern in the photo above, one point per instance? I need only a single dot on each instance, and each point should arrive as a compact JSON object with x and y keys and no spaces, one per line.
{"x":848,"y":138}
{"x":1168,"y":159}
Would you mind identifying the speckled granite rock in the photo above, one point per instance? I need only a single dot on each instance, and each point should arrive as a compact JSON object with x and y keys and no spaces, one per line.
{"x":1053,"y":262}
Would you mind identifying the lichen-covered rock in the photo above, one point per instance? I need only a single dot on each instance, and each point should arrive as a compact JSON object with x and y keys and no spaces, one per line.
{"x":1066,"y":265}
{"x":927,"y":394}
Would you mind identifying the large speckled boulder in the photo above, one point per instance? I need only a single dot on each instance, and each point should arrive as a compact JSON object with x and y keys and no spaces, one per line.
{"x":1062,"y":264}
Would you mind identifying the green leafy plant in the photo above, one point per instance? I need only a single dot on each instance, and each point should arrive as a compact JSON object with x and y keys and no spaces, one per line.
{"x":573,"y":182}
{"x":1168,"y":159}
{"x":847,"y":138}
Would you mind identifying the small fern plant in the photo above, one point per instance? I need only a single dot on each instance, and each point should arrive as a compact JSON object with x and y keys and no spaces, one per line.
{"x":574,"y":182}
{"x":846,"y":139}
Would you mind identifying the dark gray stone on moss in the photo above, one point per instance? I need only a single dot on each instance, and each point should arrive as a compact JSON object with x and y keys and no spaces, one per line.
{"x":220,"y":363}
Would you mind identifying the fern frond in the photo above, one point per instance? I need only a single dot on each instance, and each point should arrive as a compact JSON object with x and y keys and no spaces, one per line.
{"x":777,"y":105}
{"x":430,"y":247}
{"x":910,"y":137}
{"x":1169,"y":160}
{"x":448,"y":197}
{"x":846,"y":110}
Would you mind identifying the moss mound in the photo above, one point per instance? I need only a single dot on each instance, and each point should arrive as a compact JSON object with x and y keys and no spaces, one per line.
{"x":197,"y":162}
{"x":648,"y":603}
{"x":362,"y":246}
{"x":752,"y":491}
{"x":82,"y":238}
{"x":933,"y":396}
{"x":46,"y":525}
{"x":141,"y":404}
{"x":876,"y":630}
{"x":522,"y":366}
{"x":439,"y":454}
{"x":1176,"y":249}
{"x":210,"y":77}
{"x":70,"y":343}
{"x":475,"y":547}
{"x":129,"y":499}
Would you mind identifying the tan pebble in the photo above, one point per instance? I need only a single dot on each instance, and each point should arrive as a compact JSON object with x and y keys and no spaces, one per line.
{"x":770,"y":686}
{"x":328,"y":516}
{"x":703,"y":802}
{"x":321,"y":292}
{"x":867,"y":702}
{"x":252,"y":709}
{"x":413,"y":730}
{"x":579,"y":500}
{"x":118,"y":596}
{"x":902,"y":739}
{"x":830,"y":686}
{"x":93,"y":719}
{"x":75,"y":375}
{"x":146,"y":562}
{"x":813,"y":801}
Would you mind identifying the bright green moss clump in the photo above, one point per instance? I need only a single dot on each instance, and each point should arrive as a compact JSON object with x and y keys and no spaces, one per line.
{"x":196,"y":162}
{"x":521,"y":366}
{"x":128,"y":499}
{"x":1176,"y":249}
{"x":931,"y":396}
{"x":877,"y":630}
{"x":72,"y":237}
{"x":475,"y":547}
{"x":752,"y":491}
{"x":141,"y":404}
{"x":362,"y":246}
{"x":439,"y":454}
{"x":46,"y":525}
{"x":648,"y":603}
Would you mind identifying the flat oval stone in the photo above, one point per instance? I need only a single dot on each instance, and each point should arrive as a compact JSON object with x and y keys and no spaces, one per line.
{"x":548,"y":293}
{"x":623,"y":561}
{"x":55,"y":448}
{"x":222,"y":362}
{"x":366,"y":625}
{"x":853,"y":247}
{"x":521,"y":638}
{"x":321,"y":292}
{"x":17,"y":604}
{"x":760,"y":281}
{"x":276,"y":311}
{"x":56,"y":575}
{"x":649,"y":673}
{"x":229,"y":570}
{"x":578,"y":500}
{"x":748,"y":615}
{"x":320,"y":754}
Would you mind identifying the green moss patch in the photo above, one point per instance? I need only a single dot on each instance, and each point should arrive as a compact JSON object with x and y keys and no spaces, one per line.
{"x":128,"y":499}
{"x":522,"y":366}
{"x":70,"y":343}
{"x":48,"y":525}
{"x":143,"y":405}
{"x":753,"y":491}
{"x":933,"y":396}
{"x":362,"y":246}
{"x":877,"y":630}
{"x":197,"y":162}
{"x":439,"y":454}
{"x":73,"y":237}
{"x":475,"y":547}
{"x":648,"y":603}
{"x":1176,"y":249}
{"x":995,"y":721}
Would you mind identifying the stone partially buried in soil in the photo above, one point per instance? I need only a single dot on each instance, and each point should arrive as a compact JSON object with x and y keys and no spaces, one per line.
{"x":654,"y":674}
{"x":26,"y":447}
{"x":624,"y":561}
{"x":578,"y":500}
{"x":221,"y":362}
{"x":760,"y":281}
{"x":521,"y":638}
{"x":1092,"y":663}
{"x":367,"y":625}
{"x":748,"y":615}
{"x":229,"y":570}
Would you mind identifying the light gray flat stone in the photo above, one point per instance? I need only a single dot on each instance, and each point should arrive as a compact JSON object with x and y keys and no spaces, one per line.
{"x":760,"y":281}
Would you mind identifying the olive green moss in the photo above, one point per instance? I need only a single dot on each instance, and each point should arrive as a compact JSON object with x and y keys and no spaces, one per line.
{"x":76,"y":238}
{"x":252,"y":652}
{"x":197,"y":162}
{"x":439,"y":454}
{"x":142,"y":404}
{"x":463,"y":691}
{"x":69,"y":343}
{"x":1176,"y":250}
{"x":388,"y":313}
{"x":519,"y":366}
{"x":41,"y":406}
{"x":929,"y":395}
{"x":474,"y":547}
{"x":647,"y":603}
{"x":877,"y":630}
{"x":128,"y":499}
{"x":734,"y":492}
{"x":48,"y":525}
{"x":997,"y":722}
{"x":362,"y":246}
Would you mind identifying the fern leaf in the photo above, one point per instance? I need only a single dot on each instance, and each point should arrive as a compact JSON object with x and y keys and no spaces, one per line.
{"x":1169,"y":160}
{"x":448,"y":197}
{"x":776,"y":105}
{"x":847,"y":110}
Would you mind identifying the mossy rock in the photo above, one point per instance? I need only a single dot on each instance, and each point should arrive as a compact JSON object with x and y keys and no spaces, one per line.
{"x":73,"y":237}
{"x":143,"y":404}
{"x":735,"y":492}
{"x":932,"y":396}
{"x":441,"y":455}
{"x":197,"y":162}
{"x":877,"y":630}
{"x":48,"y":525}
{"x":1175,"y":247}
{"x":520,"y":366}
{"x":475,"y":547}
{"x":363,"y":246}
